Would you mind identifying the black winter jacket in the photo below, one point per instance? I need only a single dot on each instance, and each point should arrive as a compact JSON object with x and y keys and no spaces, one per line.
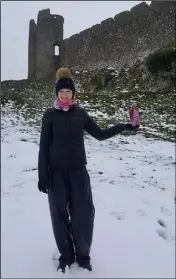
{"x":62,"y":140}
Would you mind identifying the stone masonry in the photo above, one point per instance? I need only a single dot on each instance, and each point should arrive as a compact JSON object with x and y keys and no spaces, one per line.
{"x":43,"y":37}
{"x":117,"y":41}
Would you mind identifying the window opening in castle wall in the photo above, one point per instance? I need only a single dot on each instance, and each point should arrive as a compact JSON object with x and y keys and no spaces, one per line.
{"x":56,"y":50}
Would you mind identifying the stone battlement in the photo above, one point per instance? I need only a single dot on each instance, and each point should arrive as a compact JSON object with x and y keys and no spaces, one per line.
{"x":117,"y":41}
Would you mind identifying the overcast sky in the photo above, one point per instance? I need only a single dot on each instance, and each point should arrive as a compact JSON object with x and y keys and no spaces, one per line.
{"x":15,"y":16}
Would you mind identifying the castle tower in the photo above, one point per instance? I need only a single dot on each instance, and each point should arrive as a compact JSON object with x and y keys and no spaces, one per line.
{"x":32,"y":50}
{"x":44,"y":38}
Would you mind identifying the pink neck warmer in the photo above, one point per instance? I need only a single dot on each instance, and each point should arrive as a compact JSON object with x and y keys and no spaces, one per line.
{"x":65,"y":103}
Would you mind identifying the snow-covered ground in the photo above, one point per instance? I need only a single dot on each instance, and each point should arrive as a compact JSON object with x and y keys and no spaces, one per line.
{"x":133,"y":184}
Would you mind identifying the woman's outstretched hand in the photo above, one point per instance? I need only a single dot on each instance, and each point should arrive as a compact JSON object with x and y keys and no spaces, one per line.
{"x":134,"y":127}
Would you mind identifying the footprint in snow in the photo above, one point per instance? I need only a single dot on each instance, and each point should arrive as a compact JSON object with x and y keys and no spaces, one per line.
{"x":165,"y":211}
{"x":162,"y":223}
{"x":103,"y":179}
{"x":141,"y":212}
{"x":118,"y":215}
{"x":23,"y":139}
{"x":112,"y":182}
{"x":32,"y":169}
{"x":18,"y":185}
{"x":162,"y":234}
{"x":146,"y":201}
{"x":12,"y":156}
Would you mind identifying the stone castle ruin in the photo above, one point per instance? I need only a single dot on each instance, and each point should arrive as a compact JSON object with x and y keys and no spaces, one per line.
{"x":43,"y":37}
{"x":115,"y":42}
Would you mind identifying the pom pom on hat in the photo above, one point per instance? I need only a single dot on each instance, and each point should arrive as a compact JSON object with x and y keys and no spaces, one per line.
{"x":63,"y":73}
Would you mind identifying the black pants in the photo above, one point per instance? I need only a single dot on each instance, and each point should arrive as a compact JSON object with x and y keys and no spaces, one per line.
{"x":72,"y":212}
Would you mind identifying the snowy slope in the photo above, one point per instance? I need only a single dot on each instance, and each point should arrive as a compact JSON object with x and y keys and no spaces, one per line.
{"x":133,"y":184}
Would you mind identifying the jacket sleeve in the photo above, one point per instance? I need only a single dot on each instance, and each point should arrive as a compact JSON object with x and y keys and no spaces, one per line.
{"x":101,"y":134}
{"x":44,"y":146}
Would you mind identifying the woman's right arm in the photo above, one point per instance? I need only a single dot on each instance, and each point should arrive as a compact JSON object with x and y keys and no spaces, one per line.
{"x":44,"y":146}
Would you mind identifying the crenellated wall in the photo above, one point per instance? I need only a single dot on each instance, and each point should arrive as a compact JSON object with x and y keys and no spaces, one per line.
{"x":128,"y":36}
{"x":122,"y":39}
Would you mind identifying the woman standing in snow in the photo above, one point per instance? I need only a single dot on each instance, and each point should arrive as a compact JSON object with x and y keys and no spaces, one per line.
{"x":134,"y":115}
{"x":63,"y":175}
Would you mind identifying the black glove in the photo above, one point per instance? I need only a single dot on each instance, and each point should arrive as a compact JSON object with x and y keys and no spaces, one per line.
{"x":136,"y":127}
{"x":44,"y":184}
{"x":131,"y":127}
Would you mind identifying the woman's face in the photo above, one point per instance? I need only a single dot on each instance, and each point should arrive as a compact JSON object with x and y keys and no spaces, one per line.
{"x":65,"y":94}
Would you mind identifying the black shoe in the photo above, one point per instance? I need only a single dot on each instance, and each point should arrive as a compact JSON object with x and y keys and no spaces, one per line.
{"x":63,"y":264}
{"x":85,"y":264}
